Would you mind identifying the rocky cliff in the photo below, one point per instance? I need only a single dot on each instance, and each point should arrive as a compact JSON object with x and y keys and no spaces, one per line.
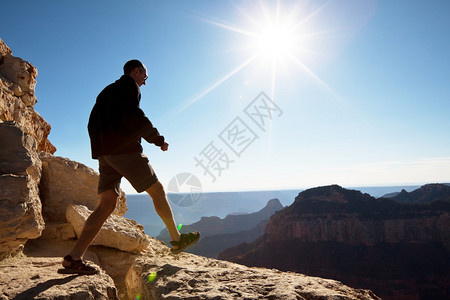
{"x":17,"y":98}
{"x":44,"y":200}
{"x":400,"y":251}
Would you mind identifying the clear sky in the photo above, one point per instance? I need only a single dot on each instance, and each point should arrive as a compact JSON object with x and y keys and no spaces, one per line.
{"x":356,"y":92}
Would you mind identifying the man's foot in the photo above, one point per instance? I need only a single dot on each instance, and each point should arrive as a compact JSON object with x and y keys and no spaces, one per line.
{"x":72,"y":266}
{"x":186,"y":240}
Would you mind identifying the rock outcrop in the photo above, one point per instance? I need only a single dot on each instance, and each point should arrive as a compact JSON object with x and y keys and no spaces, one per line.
{"x":20,"y":206}
{"x":65,"y":182}
{"x":365,"y":242}
{"x":17,"y":98}
{"x":117,"y":232}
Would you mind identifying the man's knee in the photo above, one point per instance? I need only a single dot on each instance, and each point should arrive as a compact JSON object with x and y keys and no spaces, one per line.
{"x":156,"y":189}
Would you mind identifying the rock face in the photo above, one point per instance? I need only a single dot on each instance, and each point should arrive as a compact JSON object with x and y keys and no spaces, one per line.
{"x":20,"y":206}
{"x":65,"y":182}
{"x":365,"y":242}
{"x":17,"y":98}
{"x":117,"y":232}
{"x":36,"y":278}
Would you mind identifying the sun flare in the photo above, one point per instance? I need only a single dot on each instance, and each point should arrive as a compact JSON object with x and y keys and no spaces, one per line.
{"x":273,"y":38}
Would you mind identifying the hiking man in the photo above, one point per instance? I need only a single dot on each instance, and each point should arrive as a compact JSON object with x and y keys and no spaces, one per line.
{"x":116,"y":126}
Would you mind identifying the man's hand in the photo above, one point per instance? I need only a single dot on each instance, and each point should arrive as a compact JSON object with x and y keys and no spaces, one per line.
{"x":165,"y":147}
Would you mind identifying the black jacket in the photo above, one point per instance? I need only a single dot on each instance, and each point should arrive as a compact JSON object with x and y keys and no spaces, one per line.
{"x":117,"y":124}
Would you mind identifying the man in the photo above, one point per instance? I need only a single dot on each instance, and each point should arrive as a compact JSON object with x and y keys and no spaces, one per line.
{"x":116,"y":126}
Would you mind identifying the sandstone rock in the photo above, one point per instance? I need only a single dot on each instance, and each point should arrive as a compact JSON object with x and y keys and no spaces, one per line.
{"x":117,"y":232}
{"x":20,"y":206}
{"x":65,"y":182}
{"x":22,"y":73}
{"x":36,"y":278}
{"x":17,"y":98}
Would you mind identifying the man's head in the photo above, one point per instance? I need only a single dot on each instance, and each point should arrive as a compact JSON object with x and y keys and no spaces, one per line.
{"x":136,"y":70}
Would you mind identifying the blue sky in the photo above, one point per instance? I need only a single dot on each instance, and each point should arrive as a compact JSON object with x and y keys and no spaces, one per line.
{"x":362,"y":87}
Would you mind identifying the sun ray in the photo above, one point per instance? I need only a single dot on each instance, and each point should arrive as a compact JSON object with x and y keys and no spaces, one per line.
{"x":231,"y":28}
{"x":319,"y":34}
{"x":214,"y":85}
{"x":313,"y":75}
{"x":274,"y":77}
{"x":299,"y":24}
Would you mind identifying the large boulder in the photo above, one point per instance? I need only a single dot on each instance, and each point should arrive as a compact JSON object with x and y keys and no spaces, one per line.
{"x":65,"y":182}
{"x":17,"y":97}
{"x":117,"y":232}
{"x":20,"y":173}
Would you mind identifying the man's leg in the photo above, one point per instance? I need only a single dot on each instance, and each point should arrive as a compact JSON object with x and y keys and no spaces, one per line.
{"x":162,"y":207}
{"x":93,"y":224}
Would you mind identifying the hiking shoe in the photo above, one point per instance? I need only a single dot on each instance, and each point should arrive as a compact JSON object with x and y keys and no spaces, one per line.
{"x":186,"y":240}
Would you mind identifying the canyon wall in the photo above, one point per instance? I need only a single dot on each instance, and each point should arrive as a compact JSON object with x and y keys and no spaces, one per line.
{"x":400,"y":251}
{"x":359,"y":219}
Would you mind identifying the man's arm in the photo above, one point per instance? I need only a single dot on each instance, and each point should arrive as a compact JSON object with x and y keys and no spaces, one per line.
{"x":136,"y":121}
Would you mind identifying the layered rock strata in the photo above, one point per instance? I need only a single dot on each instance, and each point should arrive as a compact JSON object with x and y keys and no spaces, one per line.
{"x":20,"y":206}
{"x":334,"y":214}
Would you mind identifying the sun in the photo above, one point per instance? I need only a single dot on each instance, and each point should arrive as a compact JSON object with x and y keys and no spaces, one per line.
{"x":275,"y":41}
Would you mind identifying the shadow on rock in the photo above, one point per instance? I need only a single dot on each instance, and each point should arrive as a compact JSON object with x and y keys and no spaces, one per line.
{"x":168,"y":270}
{"x":43,"y":286}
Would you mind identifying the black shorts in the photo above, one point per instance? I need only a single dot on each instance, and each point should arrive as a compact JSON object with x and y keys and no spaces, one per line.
{"x":135,"y":167}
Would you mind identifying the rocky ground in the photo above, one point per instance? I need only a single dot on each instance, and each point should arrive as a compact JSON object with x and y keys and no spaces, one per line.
{"x":36,"y":278}
{"x":155,"y":274}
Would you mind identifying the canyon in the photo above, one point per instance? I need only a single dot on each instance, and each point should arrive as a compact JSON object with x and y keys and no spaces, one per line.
{"x":45,"y":199}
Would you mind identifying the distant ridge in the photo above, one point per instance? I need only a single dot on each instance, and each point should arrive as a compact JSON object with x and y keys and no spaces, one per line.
{"x":219,"y":234}
{"x":425,"y":194}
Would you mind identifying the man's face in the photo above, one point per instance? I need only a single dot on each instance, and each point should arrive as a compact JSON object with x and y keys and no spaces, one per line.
{"x":141,"y":76}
